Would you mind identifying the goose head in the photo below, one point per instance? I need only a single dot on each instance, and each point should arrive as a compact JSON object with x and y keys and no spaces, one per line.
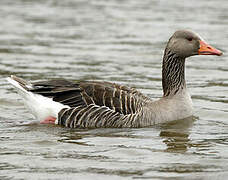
{"x":186,"y":43}
{"x":181,"y":45}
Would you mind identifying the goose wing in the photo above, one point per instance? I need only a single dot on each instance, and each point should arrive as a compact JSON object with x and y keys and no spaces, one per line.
{"x":94,"y":104}
{"x":118,"y":98}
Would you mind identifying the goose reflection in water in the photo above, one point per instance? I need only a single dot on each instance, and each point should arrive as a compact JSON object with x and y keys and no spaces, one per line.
{"x":176,"y":134}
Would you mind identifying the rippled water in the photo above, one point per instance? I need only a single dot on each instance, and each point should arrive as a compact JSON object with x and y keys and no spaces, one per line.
{"x":120,"y":41}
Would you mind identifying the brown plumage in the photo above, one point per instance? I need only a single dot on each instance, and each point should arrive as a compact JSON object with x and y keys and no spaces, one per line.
{"x":108,"y":100}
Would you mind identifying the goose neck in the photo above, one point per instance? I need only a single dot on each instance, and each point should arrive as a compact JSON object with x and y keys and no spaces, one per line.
{"x":173,"y":73}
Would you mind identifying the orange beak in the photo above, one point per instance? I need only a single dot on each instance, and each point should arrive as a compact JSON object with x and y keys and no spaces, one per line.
{"x":206,"y":49}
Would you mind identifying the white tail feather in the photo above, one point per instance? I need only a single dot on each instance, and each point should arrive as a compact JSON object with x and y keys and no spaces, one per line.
{"x":41,"y":107}
{"x":17,"y":86}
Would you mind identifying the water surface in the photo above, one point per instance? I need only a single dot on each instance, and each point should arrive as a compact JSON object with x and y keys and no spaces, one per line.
{"x":120,"y":41}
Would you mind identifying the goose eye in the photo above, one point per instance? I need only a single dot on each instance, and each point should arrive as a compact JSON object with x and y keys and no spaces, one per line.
{"x":189,"y":39}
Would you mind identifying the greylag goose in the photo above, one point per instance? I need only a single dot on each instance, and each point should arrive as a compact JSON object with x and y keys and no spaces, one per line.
{"x":102,"y":104}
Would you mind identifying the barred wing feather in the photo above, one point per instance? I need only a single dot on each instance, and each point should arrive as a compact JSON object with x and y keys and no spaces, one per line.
{"x":93,"y":104}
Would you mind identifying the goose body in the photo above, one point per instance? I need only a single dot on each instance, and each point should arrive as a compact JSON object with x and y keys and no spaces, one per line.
{"x":103,"y":104}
